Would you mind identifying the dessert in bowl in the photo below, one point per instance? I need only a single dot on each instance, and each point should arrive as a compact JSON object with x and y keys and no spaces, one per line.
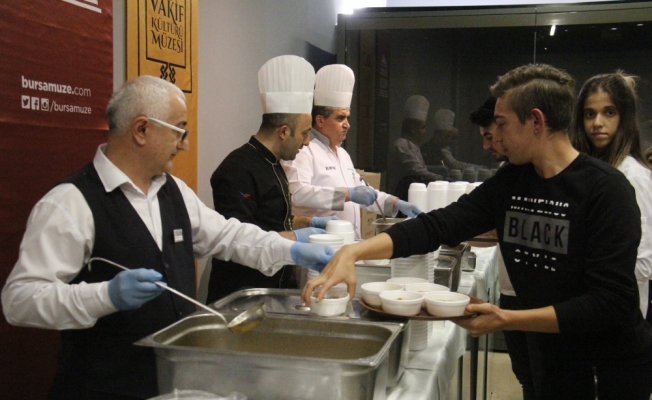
{"x":425,"y":287}
{"x":334,"y":302}
{"x":371,"y":291}
{"x":446,"y":304}
{"x":400,"y":302}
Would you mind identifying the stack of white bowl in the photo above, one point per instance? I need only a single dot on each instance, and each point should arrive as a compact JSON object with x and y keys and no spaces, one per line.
{"x":455,"y":190}
{"x":341,"y":228}
{"x":334,"y":241}
{"x":414,"y":266}
{"x":437,"y":191}
{"x":471,"y":186}
{"x":419,"y":332}
{"x":418,"y":195}
{"x":417,"y":266}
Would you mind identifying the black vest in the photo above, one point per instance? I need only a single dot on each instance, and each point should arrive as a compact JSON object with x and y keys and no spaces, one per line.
{"x":103,"y":358}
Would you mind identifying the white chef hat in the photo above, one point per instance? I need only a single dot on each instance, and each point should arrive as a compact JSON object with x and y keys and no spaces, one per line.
{"x":416,"y":107}
{"x":444,"y":120}
{"x":334,"y":86}
{"x":286,"y":85}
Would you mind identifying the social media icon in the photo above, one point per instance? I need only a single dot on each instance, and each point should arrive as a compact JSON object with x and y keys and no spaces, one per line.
{"x":35,"y":103}
{"x":25,"y":101}
{"x":45,"y":104}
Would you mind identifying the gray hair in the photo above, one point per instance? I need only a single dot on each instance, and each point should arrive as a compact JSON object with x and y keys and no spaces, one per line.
{"x":145,"y":95}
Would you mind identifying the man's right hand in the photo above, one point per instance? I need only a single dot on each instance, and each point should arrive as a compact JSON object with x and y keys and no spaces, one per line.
{"x":131,"y":289}
{"x":364,"y":195}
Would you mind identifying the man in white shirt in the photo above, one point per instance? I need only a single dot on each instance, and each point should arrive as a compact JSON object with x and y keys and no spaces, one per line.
{"x":322,"y":178}
{"x":126,"y":208}
{"x":407,"y":164}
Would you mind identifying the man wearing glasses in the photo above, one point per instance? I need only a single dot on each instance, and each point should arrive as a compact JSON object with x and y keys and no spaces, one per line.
{"x":126,"y":208}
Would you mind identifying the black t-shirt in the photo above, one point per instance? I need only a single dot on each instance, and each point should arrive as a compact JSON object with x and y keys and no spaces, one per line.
{"x":569,"y":241}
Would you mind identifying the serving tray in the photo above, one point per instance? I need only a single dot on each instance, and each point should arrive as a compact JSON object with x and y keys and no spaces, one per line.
{"x":423,"y":314}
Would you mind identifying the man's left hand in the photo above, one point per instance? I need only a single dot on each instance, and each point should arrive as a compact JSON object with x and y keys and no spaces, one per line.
{"x":490,"y":318}
{"x":303,"y":234}
{"x":409,"y":209}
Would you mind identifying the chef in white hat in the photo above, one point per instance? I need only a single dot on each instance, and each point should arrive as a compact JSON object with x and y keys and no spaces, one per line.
{"x":437,"y":150}
{"x":406,"y":164}
{"x":323,"y":180}
{"x":250,"y":184}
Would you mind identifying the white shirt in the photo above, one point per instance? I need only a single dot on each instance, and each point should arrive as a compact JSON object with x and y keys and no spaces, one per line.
{"x":318,"y":179}
{"x":641,"y":179}
{"x":59,"y":240}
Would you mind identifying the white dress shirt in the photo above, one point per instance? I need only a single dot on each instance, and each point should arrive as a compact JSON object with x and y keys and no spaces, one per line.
{"x":59,"y":240}
{"x":318,"y":179}
{"x":640,"y":178}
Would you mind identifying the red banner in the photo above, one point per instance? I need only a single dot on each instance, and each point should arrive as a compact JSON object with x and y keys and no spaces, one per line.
{"x":56,"y":78}
{"x":57,"y":62}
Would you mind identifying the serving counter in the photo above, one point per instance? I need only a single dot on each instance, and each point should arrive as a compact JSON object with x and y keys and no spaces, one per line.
{"x":427,"y":373}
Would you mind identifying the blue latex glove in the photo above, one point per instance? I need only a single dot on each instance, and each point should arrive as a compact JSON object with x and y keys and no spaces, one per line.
{"x":312,"y":256}
{"x":304,"y":233}
{"x":408,"y":209}
{"x":364,"y":195}
{"x":320,"y":222}
{"x":131,"y":289}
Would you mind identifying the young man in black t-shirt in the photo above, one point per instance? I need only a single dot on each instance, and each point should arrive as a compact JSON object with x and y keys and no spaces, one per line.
{"x":569,"y":229}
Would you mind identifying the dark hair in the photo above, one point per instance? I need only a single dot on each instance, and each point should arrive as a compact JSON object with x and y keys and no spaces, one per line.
{"x":408,"y":125}
{"x":541,"y":86}
{"x":324,"y":111}
{"x":484,"y":116}
{"x":276,"y":120}
{"x":627,"y":141}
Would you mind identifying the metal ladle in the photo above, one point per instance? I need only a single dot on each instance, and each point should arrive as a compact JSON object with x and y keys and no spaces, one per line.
{"x":242,"y":323}
{"x":382,"y":214}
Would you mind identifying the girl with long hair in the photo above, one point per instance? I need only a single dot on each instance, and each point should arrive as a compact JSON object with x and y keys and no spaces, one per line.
{"x":605,"y":126}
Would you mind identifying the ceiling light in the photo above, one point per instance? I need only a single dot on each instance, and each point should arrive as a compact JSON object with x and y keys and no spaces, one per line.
{"x":552,"y":30}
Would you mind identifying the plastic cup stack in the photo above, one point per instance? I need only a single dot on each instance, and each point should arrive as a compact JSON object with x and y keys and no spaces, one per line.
{"x":414,"y":267}
{"x":419,"y":332}
{"x":334,"y":241}
{"x":341,"y":228}
{"x":436,"y":195}
{"x":418,"y":195}
{"x":455,"y":190}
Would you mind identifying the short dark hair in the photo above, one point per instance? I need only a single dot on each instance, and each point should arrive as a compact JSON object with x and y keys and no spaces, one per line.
{"x":324,"y":111}
{"x":541,"y":86}
{"x":484,"y":116}
{"x":275,"y":120}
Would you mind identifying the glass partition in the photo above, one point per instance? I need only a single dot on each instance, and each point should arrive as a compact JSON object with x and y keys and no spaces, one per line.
{"x":451,"y":56}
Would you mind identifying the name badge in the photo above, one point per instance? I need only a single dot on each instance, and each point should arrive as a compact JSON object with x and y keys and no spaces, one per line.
{"x":178,"y":235}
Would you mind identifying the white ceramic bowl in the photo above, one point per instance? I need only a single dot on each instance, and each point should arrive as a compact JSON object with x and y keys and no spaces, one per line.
{"x":400,"y":302}
{"x":334,"y":303}
{"x":371,"y":291}
{"x":424,"y":288}
{"x":446,"y":304}
{"x":406,"y":280}
{"x":339,"y":226}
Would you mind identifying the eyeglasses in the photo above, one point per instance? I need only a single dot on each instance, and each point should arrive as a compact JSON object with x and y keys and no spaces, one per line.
{"x":183,"y":132}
